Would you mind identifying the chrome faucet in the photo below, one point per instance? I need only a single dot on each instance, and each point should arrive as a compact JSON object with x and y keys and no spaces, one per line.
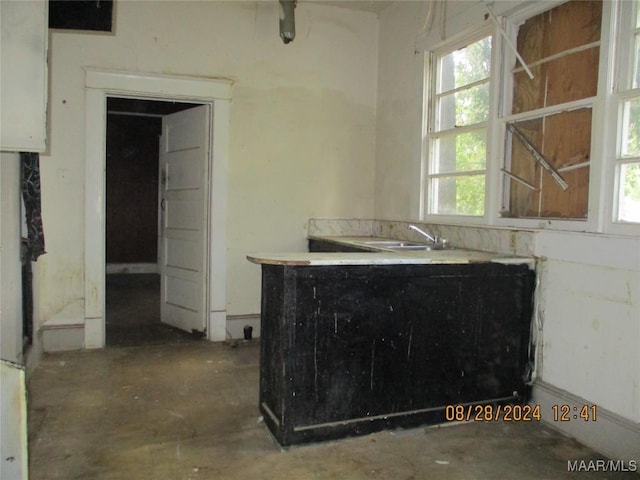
{"x":435,"y":240}
{"x":424,"y":234}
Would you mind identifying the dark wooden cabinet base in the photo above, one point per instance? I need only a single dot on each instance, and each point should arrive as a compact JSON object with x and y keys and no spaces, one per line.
{"x":348,"y":350}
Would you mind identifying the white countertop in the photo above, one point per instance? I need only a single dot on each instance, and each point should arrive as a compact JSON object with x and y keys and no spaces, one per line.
{"x":383,"y":256}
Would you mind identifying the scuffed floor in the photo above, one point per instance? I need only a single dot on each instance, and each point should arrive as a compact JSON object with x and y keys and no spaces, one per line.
{"x":189,"y":411}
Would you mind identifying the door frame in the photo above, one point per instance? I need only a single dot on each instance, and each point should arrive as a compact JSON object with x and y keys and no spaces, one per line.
{"x":100,"y":84}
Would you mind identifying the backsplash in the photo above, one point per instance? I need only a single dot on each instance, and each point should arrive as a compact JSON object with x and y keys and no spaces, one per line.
{"x":340,"y":227}
{"x":490,"y":239}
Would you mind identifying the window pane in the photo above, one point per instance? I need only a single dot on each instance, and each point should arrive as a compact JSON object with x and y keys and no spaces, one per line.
{"x":636,"y":55}
{"x":465,"y":107}
{"x":461,"y":153}
{"x":629,"y":204}
{"x":467,"y":65}
{"x":460,"y":195}
{"x":631,"y":126}
{"x":467,"y":71}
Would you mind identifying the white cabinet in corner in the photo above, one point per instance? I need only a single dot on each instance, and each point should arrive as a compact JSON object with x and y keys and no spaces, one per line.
{"x":23,"y":75}
{"x":13,"y":421}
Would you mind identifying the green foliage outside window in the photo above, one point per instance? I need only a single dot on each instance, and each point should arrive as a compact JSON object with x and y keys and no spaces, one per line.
{"x":630,"y":180}
{"x":471,"y":64}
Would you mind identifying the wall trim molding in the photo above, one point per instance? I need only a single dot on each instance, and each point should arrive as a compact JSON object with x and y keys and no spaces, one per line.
{"x":615,"y":436}
{"x":99,"y":84}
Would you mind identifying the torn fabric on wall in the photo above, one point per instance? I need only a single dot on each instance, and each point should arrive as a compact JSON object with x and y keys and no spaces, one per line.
{"x":30,"y":186}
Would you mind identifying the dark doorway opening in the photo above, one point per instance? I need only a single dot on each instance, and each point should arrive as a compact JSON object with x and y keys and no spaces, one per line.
{"x":132,"y":296}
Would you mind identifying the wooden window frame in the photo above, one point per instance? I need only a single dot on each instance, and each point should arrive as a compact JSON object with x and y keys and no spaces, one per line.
{"x":606,"y":120}
{"x":603,"y":136}
{"x":430,"y":135}
{"x":543,"y":113}
{"x":624,"y":92}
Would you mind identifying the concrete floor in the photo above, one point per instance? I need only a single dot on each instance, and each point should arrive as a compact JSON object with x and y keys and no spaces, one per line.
{"x":133,"y":312}
{"x":189,"y":411}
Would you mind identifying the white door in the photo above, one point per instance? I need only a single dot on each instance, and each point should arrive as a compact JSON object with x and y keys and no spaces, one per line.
{"x":183,"y":252}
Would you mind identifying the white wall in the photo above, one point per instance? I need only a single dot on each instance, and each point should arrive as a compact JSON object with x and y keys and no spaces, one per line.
{"x":398,"y":128}
{"x":302,"y":125}
{"x":590,"y":283}
{"x":403,"y":37}
{"x":10,"y":266}
{"x":590,"y":311}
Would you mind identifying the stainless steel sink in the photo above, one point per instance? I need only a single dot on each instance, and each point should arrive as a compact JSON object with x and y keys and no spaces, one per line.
{"x":403,"y":245}
{"x":411,"y":247}
{"x":393,"y":244}
{"x":420,"y":247}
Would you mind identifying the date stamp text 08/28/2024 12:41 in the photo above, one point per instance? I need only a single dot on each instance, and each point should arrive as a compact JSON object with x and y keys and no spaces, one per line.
{"x":518,"y":413}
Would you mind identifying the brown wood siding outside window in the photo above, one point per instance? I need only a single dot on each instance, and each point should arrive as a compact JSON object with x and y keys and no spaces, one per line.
{"x":561,"y":47}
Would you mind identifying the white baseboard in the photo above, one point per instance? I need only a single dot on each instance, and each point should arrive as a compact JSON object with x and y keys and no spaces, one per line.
{"x":610,"y":434}
{"x":131,"y":268}
{"x":63,"y":338}
{"x":65,"y":329}
{"x":236,"y":324}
